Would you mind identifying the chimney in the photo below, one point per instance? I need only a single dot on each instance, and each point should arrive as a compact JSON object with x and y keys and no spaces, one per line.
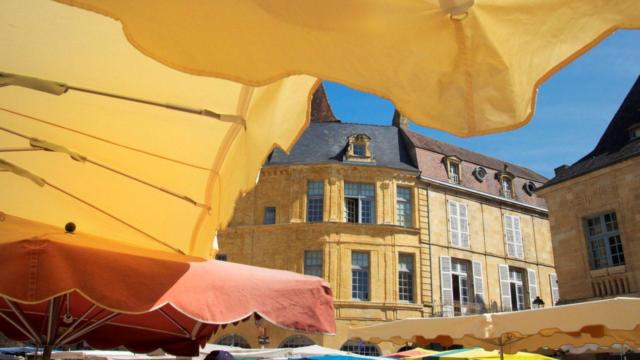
{"x":560,"y":169}
{"x":399,"y":120}
{"x":320,"y":108}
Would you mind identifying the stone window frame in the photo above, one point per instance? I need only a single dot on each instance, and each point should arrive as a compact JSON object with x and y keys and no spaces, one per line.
{"x":360,"y":291}
{"x":518,"y":240}
{"x":267,"y":218}
{"x":315,"y":201}
{"x":296,"y":341}
{"x":358,"y":141}
{"x":404,"y":206}
{"x":234,"y":340}
{"x":458,"y":220}
{"x":605,"y":236}
{"x":361,"y":348}
{"x":406,"y":277}
{"x":450,"y":160}
{"x":503,"y":176}
{"x":361,"y":197}
{"x":311,"y":265}
{"x":529,"y":187}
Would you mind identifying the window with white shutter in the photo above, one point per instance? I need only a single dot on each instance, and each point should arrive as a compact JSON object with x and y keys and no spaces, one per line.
{"x":446,"y":286}
{"x":505,"y":287}
{"x":532,"y":280}
{"x":458,"y":224}
{"x":478,"y":285}
{"x":513,"y":236}
{"x":555,"y":292}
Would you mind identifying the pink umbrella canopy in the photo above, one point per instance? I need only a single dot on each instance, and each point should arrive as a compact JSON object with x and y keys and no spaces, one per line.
{"x":60,"y":288}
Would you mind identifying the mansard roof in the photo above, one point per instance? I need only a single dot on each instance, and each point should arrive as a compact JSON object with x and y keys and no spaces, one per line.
{"x":446,"y":149}
{"x":326,"y":143}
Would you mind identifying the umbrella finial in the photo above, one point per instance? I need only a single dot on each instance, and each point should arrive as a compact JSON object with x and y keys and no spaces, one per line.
{"x":457,"y":9}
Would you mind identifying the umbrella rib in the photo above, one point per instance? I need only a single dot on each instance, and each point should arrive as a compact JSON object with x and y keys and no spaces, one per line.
{"x":40,"y":181}
{"x":59,"y":88}
{"x":90,"y":328}
{"x":24,"y":321}
{"x":70,"y":329}
{"x":39,"y":144}
{"x":17,"y":326}
{"x":19,"y":149}
{"x":104,"y":140}
{"x":196,"y":329}
{"x":174,"y":322}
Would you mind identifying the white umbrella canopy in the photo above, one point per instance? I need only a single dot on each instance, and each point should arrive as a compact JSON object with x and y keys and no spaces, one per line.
{"x":603,"y":323}
{"x":162,"y":177}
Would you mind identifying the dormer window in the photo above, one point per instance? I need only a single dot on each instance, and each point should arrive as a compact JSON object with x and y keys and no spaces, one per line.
{"x":529,"y":187}
{"x":505,"y":178}
{"x":452,"y":164}
{"x":480,"y":173}
{"x":358,"y":148}
{"x":634,"y":132}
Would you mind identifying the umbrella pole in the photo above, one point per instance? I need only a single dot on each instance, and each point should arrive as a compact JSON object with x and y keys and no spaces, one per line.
{"x":501,"y":352}
{"x":46,"y":352}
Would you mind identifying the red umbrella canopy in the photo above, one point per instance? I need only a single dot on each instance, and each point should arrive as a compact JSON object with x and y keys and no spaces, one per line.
{"x":60,"y":288}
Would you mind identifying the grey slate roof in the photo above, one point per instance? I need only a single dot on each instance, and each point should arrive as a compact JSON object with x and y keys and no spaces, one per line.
{"x":325,"y":143}
{"x":615,"y":144}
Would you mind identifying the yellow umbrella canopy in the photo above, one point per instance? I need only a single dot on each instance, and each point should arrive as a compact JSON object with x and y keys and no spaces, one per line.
{"x":96,"y":133}
{"x":449,"y":64}
{"x":603,"y":323}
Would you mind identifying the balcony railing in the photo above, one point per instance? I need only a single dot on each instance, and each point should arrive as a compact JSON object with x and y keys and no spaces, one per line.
{"x":461,"y":309}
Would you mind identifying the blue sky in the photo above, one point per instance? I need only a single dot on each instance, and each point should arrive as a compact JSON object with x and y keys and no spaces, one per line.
{"x":573,"y":109}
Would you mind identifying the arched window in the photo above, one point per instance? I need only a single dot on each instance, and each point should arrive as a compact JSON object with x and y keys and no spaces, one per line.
{"x":361,"y":348}
{"x":234,"y":340}
{"x":296,"y":341}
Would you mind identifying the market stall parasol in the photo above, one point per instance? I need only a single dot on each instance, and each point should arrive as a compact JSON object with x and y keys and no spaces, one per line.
{"x":60,"y":288}
{"x":604,"y":322}
{"x":96,"y":133}
{"x":481,"y":354}
{"x":463,"y":66}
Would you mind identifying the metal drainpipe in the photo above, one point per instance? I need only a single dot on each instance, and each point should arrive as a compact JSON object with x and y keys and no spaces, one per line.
{"x":430,"y":255}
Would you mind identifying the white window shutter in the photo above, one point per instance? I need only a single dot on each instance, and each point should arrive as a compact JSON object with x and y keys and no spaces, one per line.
{"x":555,"y":292}
{"x":508,"y":235}
{"x":478,"y":284}
{"x":464,"y":225}
{"x":532,"y":280}
{"x":454,"y":235}
{"x":446,"y":285}
{"x":517,"y":236}
{"x":505,"y":287}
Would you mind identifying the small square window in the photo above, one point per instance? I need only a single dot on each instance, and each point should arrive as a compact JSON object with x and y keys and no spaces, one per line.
{"x":269,"y":215}
{"x":359,"y":150}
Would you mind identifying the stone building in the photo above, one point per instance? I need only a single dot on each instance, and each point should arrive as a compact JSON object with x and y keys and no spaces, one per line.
{"x":594,"y":208}
{"x":399,"y":224}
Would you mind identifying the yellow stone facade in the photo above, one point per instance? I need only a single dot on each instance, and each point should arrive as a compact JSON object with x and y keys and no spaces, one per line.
{"x":282,"y":245}
{"x":615,"y":188}
{"x":487,"y":244}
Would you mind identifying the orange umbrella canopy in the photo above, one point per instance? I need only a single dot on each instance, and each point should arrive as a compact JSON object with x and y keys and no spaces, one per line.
{"x":60,"y":288}
{"x":463,"y":66}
